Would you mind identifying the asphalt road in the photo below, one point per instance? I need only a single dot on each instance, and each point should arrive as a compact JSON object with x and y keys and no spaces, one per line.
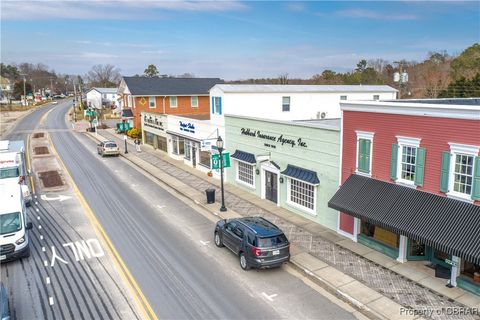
{"x":167,"y":245}
{"x":44,"y":287}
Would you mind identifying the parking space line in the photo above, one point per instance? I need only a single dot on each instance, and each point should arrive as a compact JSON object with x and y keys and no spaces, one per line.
{"x":47,"y":280}
{"x":39,"y":226}
{"x":50,"y":300}
{"x":41,"y":237}
{"x":45,"y":263}
{"x":43,"y":249}
{"x":269,"y":297}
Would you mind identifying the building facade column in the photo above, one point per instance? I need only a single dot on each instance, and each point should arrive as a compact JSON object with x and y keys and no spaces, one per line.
{"x":455,"y":271}
{"x":356,"y":228}
{"x":402,"y":249}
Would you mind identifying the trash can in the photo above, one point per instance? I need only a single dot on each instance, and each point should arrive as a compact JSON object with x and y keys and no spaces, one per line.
{"x":210,"y":195}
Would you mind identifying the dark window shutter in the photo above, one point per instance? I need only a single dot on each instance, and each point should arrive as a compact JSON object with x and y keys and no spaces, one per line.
{"x":220,"y":105}
{"x":367,"y":156}
{"x":213,"y":105}
{"x":444,"y":176}
{"x":361,"y":147}
{"x":420,"y":166}
{"x":476,"y":180}
{"x":394,"y":162}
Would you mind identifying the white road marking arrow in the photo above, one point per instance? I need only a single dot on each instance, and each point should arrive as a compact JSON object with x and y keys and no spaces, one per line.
{"x":59,"y":198}
{"x":160,"y":207}
{"x":269,"y":297}
{"x":204,"y":242}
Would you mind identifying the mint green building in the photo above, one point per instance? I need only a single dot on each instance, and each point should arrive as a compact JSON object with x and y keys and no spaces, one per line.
{"x":294,"y":164}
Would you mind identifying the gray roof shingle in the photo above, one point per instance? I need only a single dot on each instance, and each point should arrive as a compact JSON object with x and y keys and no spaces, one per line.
{"x":144,"y":86}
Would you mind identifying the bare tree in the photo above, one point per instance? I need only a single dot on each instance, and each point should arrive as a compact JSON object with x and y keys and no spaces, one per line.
{"x":283,"y":78}
{"x":106,"y":76}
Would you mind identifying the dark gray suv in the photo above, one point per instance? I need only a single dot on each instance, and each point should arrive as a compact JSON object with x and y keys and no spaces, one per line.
{"x":258,"y":242}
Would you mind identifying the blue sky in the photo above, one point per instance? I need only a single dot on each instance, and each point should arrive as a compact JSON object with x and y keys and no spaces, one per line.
{"x":231,"y":39}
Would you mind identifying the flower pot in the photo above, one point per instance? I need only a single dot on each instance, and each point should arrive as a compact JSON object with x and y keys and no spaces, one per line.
{"x":210,"y":174}
{"x":476,"y":277}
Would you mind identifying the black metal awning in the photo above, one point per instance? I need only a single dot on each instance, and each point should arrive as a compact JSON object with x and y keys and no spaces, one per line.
{"x":306,"y":175}
{"x":449,"y":225}
{"x":127,"y":113}
{"x":244,"y":156}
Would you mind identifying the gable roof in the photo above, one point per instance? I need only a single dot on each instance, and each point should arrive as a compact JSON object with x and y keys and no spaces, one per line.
{"x":272,"y":88}
{"x":104,"y":90}
{"x":144,"y":86}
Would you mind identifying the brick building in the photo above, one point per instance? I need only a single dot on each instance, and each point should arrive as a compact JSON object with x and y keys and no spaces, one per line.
{"x":410,"y":183}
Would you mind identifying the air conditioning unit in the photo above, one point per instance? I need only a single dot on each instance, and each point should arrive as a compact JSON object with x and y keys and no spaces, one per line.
{"x":321,"y":115}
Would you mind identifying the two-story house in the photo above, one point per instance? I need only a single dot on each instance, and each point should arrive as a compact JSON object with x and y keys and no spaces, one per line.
{"x":101,"y":97}
{"x":179,"y":96}
{"x":410,"y":183}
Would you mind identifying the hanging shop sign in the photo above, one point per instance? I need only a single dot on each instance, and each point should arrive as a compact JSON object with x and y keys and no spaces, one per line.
{"x":154,"y":122}
{"x":274,"y":140}
{"x":216,"y":160}
{"x":187,"y":127}
{"x":206,"y":145}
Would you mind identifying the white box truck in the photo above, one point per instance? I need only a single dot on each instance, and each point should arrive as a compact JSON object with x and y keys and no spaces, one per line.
{"x":13,"y":167}
{"x":13,"y":223}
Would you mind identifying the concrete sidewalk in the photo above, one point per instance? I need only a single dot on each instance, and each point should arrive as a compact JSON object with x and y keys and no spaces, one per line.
{"x":376,"y":284}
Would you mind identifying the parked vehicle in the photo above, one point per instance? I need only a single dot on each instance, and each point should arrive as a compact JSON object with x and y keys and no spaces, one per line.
{"x":4,"y":309}
{"x":108,"y":148}
{"x":13,"y":224}
{"x":257,"y":242}
{"x":13,"y":168}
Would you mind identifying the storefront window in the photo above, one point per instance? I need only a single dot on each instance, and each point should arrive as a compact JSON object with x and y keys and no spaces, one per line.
{"x":245,"y":173}
{"x":162,"y":143}
{"x":471,"y":270}
{"x":205,"y":158}
{"x":302,"y":193}
{"x":417,"y":249}
{"x":188,"y":150}
{"x":149,"y":137}
{"x":178,"y":145}
{"x":381,"y":235}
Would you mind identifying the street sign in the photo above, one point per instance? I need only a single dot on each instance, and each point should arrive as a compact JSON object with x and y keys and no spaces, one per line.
{"x":216,"y":160}
{"x":450,"y":262}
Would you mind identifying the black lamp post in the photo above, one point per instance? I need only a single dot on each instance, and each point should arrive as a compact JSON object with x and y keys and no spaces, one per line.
{"x":220,"y":150}
{"x":125,"y":135}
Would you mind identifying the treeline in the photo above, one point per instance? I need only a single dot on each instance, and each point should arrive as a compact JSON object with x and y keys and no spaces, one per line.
{"x":440,"y":75}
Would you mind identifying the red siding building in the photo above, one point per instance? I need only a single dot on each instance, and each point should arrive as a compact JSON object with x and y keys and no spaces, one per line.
{"x":410,"y":179}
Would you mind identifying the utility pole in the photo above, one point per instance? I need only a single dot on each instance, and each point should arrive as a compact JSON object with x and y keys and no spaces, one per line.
{"x":51,"y":88}
{"x":24,"y":90}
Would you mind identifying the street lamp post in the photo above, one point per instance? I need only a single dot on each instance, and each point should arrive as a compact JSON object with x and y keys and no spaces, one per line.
{"x":125,"y":135}
{"x":220,"y":150}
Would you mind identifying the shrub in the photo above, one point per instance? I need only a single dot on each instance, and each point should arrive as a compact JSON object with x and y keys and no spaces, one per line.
{"x":133,"y":133}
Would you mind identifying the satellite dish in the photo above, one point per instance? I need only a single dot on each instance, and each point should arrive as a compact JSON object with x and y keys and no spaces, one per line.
{"x":323,"y":115}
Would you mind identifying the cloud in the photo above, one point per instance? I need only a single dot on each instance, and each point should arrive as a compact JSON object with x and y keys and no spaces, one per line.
{"x":89,"y":55}
{"x":108,"y":9}
{"x":369,"y":14}
{"x":152,"y":52}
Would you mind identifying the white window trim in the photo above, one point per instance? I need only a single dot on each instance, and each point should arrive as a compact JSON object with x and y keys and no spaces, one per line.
{"x":191,"y":101}
{"x":405,"y":142}
{"x":154,"y":103}
{"x":176,"y":102}
{"x":367,"y":136}
{"x":237,"y":179}
{"x":313,"y":211}
{"x":455,"y":149}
